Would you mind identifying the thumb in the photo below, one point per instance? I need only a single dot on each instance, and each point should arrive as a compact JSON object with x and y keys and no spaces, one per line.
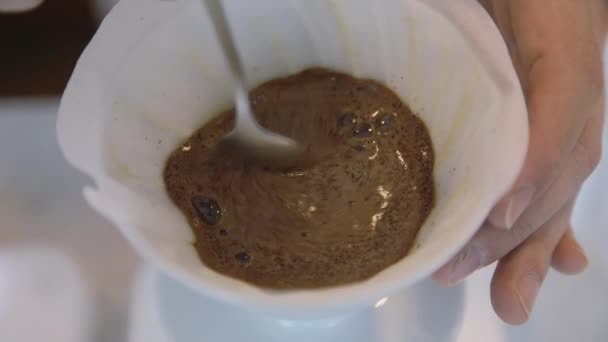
{"x":563,"y":78}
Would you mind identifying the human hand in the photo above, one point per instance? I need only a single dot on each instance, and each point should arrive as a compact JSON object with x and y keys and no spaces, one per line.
{"x":556,"y":47}
{"x":12,"y":6}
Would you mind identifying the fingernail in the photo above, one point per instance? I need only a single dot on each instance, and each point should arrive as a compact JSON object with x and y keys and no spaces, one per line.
{"x":504,"y":215}
{"x":584,"y":260}
{"x":527,"y":289}
{"x":467,"y":262}
{"x":579,"y":248}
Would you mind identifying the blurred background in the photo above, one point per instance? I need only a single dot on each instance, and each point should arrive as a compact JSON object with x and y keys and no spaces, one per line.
{"x":45,"y":42}
{"x":65,"y":272}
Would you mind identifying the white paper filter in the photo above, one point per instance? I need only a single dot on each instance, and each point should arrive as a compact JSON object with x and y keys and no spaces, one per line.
{"x":153,"y":74}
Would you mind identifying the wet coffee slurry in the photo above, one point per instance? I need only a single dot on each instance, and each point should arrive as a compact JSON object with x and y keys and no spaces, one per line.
{"x":343,"y":218}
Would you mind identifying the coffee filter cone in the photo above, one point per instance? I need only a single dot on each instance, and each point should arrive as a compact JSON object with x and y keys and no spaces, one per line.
{"x":154,"y":73}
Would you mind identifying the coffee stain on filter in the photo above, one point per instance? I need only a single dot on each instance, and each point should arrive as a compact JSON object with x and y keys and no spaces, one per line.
{"x":461,"y":118}
{"x":412,"y":31}
{"x":345,"y":36}
{"x":455,"y":200}
{"x":278,"y":46}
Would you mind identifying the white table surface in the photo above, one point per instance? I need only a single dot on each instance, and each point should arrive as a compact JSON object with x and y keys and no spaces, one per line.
{"x":67,"y":275}
{"x":43,"y":217}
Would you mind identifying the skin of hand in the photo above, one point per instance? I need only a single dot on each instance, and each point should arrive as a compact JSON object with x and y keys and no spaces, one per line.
{"x":557,"y":49}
